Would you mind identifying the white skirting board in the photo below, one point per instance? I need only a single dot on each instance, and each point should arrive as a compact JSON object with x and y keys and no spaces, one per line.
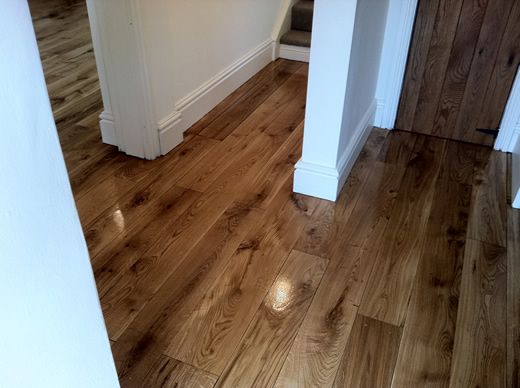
{"x":108,"y":129}
{"x":294,"y":53}
{"x":195,"y":105}
{"x":515,"y":167}
{"x":326,"y":182}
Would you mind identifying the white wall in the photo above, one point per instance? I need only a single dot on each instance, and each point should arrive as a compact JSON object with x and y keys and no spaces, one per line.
{"x":345,"y":56}
{"x":167,"y":63}
{"x":199,"y":52}
{"x":52,"y":330}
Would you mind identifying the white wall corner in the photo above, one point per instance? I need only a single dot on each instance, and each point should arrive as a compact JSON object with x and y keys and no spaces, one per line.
{"x":326,"y":182}
{"x":195,"y":105}
{"x":398,"y":34}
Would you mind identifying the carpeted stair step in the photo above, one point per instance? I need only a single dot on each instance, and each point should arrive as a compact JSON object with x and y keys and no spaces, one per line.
{"x":296,"y":38}
{"x":301,"y":15}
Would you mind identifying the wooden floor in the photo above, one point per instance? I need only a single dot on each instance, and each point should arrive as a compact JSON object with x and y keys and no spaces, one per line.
{"x":211,"y":272}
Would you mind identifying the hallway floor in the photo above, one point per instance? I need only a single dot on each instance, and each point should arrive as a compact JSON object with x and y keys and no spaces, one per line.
{"x":212,"y":273}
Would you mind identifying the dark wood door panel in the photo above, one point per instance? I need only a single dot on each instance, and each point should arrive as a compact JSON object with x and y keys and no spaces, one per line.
{"x":461,"y":66}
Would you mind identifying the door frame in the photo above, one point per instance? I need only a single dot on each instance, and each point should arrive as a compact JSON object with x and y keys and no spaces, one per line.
{"x":396,"y":46}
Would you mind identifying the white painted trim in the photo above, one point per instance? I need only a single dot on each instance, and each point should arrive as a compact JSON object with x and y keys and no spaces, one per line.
{"x":398,"y":35}
{"x":151,"y":144}
{"x":326,"y":182}
{"x":294,"y":53}
{"x":194,"y":106}
{"x":511,"y":120}
{"x":515,"y":167}
{"x":108,"y":128}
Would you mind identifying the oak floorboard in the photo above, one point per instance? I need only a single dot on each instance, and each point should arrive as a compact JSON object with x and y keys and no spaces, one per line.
{"x":329,"y":218}
{"x":479,"y":353}
{"x":162,"y":318}
{"x":370,"y":355}
{"x":388,"y":289}
{"x":316,"y":352}
{"x":426,"y":347}
{"x":170,"y":373}
{"x":288,"y":101}
{"x":488,"y":216}
{"x":128,"y":211}
{"x":513,"y":298}
{"x":210,"y":335}
{"x":266,"y":85}
{"x":264,"y":347}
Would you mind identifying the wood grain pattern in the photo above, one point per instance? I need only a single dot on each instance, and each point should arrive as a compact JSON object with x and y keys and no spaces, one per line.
{"x":209,"y":336}
{"x":370,"y":355}
{"x":415,"y":68}
{"x":488,"y":217}
{"x":429,"y":331}
{"x":388,"y":289}
{"x":316,"y":352}
{"x":262,"y":351}
{"x":513,"y":298}
{"x":462,"y":62}
{"x":170,"y":373}
{"x":501,"y":81}
{"x":480,"y":340}
{"x":445,"y":26}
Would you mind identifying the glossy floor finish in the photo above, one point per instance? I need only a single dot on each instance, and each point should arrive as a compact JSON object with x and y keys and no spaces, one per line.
{"x":211,"y":272}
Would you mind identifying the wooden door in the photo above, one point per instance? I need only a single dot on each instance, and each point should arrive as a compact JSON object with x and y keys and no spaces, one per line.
{"x":463,"y":59}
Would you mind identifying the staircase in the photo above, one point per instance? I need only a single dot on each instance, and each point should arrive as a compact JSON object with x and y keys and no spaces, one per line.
{"x":295,"y":44}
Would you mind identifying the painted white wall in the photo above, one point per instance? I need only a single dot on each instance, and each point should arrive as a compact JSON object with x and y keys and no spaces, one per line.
{"x":52,"y":329}
{"x":343,"y":73}
{"x":167,"y":63}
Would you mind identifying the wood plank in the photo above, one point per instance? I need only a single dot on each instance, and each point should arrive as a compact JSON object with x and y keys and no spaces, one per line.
{"x":212,"y":332}
{"x":329,"y":218}
{"x":441,"y":43}
{"x":484,"y":61}
{"x":459,"y":66}
{"x":398,"y":148}
{"x":127,"y":212}
{"x":316,"y":352}
{"x":422,"y":35}
{"x":170,"y":373}
{"x":288,"y":102}
{"x":479,"y":355}
{"x":123,"y":253}
{"x":426,"y":346}
{"x":389,"y":288}
{"x":226,"y":123}
{"x":499,"y":86}
{"x":139,"y":281}
{"x":459,"y":163}
{"x":234,"y":98}
{"x":372,"y":210}
{"x":370,"y":355}
{"x":264,"y":347}
{"x":488,"y":217}
{"x":163,"y":317}
{"x":513,"y":298}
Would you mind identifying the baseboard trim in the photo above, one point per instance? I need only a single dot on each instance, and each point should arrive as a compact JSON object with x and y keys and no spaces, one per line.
{"x":326,"y":182}
{"x":515,"y":168}
{"x":195,"y":105}
{"x":108,"y":128}
{"x":294,"y":53}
